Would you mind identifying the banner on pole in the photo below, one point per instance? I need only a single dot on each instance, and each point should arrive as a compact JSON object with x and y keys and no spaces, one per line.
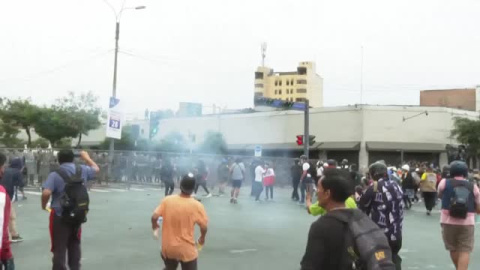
{"x":115,"y":119}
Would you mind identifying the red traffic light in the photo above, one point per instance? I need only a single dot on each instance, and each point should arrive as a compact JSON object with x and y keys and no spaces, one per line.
{"x":299,"y":139}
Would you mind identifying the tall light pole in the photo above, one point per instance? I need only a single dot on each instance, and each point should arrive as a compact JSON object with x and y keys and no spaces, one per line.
{"x":118,"y":16}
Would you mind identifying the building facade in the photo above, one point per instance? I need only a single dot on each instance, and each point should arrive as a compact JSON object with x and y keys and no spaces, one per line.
{"x":464,"y":99}
{"x":361,"y":134}
{"x":295,"y":86}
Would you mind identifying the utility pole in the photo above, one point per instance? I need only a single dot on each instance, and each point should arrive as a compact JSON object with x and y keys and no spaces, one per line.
{"x":114,"y":93}
{"x":306,"y":132}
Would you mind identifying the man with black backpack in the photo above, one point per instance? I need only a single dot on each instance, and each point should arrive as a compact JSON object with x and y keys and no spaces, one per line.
{"x":69,"y":207}
{"x":460,"y":202}
{"x":383,"y":202}
{"x":344,"y":238}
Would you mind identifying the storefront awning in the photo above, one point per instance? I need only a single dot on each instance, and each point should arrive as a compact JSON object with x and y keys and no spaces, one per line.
{"x":345,"y":146}
{"x":407,"y":147}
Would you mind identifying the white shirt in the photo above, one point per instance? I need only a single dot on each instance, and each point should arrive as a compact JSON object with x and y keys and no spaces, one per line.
{"x":259,"y":172}
{"x":306,"y":167}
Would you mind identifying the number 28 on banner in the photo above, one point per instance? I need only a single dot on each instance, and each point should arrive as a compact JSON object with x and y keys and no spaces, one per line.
{"x":114,"y":123}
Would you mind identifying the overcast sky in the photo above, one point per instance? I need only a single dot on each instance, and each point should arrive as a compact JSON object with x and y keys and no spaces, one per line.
{"x":207,"y":51}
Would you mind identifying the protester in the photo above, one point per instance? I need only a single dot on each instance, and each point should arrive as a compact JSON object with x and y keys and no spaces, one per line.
{"x":408,"y":186}
{"x":12,"y":178}
{"x":382,"y":201}
{"x":6,"y":256}
{"x":65,"y":236}
{"x":296,"y":174}
{"x":269,"y":181}
{"x":328,"y":241}
{"x":166,"y":175}
{"x":237,"y":173}
{"x":460,"y":202}
{"x":258,"y":182}
{"x":428,"y":185}
{"x":355,"y":176}
{"x":223,"y":175}
{"x":180,"y":214}
{"x":201,"y":176}
{"x":306,"y":181}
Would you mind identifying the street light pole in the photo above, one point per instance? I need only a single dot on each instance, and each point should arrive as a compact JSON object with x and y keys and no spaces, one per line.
{"x":306,"y":133}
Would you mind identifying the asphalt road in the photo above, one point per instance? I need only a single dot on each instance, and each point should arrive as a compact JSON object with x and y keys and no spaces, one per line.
{"x":249,"y":235}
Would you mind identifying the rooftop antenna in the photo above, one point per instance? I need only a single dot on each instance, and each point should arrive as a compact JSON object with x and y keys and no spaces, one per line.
{"x":264,"y":53}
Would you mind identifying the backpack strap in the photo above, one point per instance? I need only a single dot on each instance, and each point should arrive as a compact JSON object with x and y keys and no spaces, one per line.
{"x":67,"y":178}
{"x":64,"y":175}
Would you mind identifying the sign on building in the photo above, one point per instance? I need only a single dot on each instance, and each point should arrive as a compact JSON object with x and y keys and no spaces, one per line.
{"x":115,"y":119}
{"x":258,"y":150}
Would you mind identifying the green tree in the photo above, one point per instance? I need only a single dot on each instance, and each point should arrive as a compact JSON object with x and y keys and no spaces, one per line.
{"x":214,"y":143}
{"x":40,"y":142}
{"x":8,"y":135}
{"x":84,"y":113}
{"x":126,"y":143}
{"x":172,"y":142}
{"x":467,"y":132}
{"x":54,"y":125}
{"x":20,"y":113}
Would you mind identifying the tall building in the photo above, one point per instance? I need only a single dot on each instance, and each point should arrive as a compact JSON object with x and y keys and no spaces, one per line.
{"x":464,"y":99}
{"x":304,"y":83}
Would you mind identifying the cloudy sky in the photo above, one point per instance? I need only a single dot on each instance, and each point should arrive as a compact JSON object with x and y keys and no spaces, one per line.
{"x":206,"y":51}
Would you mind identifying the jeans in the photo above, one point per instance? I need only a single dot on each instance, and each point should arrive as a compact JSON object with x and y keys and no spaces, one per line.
{"x":395,"y":246}
{"x":267,"y":190}
{"x":171,"y":264}
{"x":65,"y":239}
{"x":429,"y":198}
{"x":303,"y":188}
{"x":295,"y":183}
{"x":258,"y":187}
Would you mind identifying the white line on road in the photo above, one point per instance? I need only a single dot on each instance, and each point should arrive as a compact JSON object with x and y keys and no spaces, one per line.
{"x":33,"y":193}
{"x":117,"y":190}
{"x":137,"y":189}
{"x":99,"y":190}
{"x":242,"y":250}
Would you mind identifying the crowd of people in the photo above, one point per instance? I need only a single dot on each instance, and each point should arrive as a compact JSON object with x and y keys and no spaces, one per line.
{"x":361,"y":223}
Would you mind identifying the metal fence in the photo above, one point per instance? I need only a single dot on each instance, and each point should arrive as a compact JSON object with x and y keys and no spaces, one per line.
{"x":144,"y":167}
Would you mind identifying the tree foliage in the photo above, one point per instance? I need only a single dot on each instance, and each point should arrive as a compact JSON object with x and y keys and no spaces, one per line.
{"x":172,"y":142}
{"x":20,"y":113}
{"x":214,"y":143}
{"x":467,"y":132}
{"x":8,"y":136}
{"x":54,"y":125}
{"x":84,"y":113}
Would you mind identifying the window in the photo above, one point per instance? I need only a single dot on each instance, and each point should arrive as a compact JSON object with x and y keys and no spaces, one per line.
{"x":258,"y":75}
{"x":299,"y":99}
{"x":259,"y":85}
{"x":291,"y":82}
{"x":258,"y":94}
{"x":276,"y":83}
{"x":302,"y":71}
{"x":275,"y":92}
{"x":288,"y":82}
{"x":301,"y":91}
{"x":279,"y":92}
{"x":301,"y":81}
{"x":280,"y":83}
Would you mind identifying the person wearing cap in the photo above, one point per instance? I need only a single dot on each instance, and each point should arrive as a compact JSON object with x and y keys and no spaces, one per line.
{"x":180,"y":214}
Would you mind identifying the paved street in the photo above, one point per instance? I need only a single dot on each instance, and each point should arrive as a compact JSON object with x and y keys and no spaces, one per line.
{"x":269,"y":235}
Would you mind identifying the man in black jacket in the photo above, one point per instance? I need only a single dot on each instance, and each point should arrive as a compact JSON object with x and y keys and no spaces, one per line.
{"x":296,"y":173}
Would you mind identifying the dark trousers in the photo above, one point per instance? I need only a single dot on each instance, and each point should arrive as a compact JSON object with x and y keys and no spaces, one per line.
{"x":295,"y":183}
{"x":269,"y":189}
{"x":429,"y":198}
{"x":65,"y":244}
{"x":395,"y":246}
{"x":171,"y":264}
{"x":303,"y":188}
{"x":169,"y":187}
{"x":202,"y":184}
{"x":406,"y":199}
{"x":258,"y":189}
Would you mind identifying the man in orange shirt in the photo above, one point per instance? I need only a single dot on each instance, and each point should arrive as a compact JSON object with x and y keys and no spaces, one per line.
{"x":180,"y":213}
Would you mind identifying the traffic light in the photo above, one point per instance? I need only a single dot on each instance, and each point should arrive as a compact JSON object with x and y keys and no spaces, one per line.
{"x":299,"y":139}
{"x":311,"y":140}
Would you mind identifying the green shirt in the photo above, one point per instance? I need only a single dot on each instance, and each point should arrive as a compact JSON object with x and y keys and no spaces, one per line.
{"x":317,"y":210}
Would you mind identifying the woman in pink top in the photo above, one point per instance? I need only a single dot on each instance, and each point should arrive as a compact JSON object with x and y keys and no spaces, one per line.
{"x":460,"y":203}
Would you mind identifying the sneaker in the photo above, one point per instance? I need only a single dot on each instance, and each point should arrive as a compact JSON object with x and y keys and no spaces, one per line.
{"x":428,"y":213}
{"x":17,"y":239}
{"x":301,"y":203}
{"x":208,"y":195}
{"x":232,"y":200}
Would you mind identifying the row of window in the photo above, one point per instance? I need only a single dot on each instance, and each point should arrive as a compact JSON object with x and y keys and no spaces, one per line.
{"x":296,"y":100}
{"x":288,"y":82}
{"x":290,"y":91}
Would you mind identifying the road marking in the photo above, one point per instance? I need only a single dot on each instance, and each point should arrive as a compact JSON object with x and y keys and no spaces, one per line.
{"x":99,"y":190}
{"x":234,"y":251}
{"x":117,"y":190}
{"x":137,"y":189}
{"x":33,"y":193}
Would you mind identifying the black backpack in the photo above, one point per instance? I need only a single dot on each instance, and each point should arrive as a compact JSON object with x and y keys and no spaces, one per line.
{"x":462,"y":197}
{"x":75,"y":200}
{"x":366,"y":245}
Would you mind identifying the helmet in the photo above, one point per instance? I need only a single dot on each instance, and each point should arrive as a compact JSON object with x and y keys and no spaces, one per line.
{"x":303,"y":157}
{"x":378,"y":170}
{"x":406,"y":167}
{"x":458,"y":168}
{"x":331,"y":162}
